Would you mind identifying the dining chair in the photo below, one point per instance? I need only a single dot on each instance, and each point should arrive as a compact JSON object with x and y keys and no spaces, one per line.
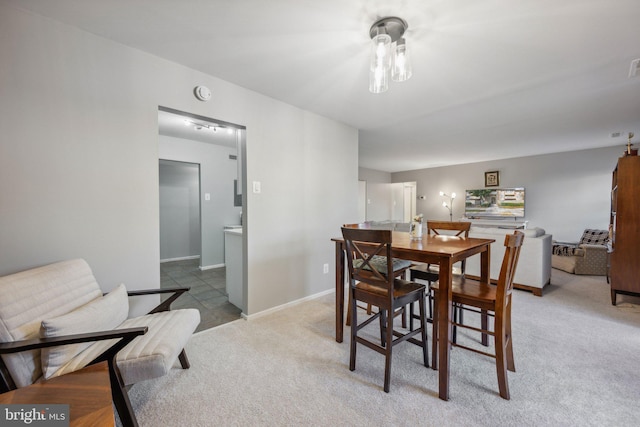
{"x":431,"y":272}
{"x":400,"y":268}
{"x":491,"y":299}
{"x":379,"y":286}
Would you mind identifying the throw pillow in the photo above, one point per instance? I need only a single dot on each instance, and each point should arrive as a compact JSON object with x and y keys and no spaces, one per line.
{"x":102,"y":314}
{"x":594,"y":237}
{"x":379,"y":262}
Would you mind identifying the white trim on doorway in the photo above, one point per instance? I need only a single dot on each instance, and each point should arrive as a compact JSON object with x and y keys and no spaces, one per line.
{"x":210,"y":267}
{"x":184,"y":258}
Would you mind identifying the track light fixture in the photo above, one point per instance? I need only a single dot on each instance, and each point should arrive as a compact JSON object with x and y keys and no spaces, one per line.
{"x":212,"y":127}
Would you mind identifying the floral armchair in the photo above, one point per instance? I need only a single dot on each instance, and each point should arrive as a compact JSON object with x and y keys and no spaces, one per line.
{"x":588,"y":256}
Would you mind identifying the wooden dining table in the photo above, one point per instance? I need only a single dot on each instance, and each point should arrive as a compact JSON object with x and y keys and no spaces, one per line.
{"x":442,"y":250}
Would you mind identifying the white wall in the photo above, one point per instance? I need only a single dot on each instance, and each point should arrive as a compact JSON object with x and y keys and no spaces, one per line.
{"x":217,"y":173}
{"x":179,"y":210}
{"x":397,"y":201}
{"x":362,"y":201}
{"x":379,"y":194}
{"x":565,"y":192}
{"x":79,"y":163}
{"x":386,"y":200}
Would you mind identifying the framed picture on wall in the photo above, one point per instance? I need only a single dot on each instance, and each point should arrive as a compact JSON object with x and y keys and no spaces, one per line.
{"x":492,"y":179}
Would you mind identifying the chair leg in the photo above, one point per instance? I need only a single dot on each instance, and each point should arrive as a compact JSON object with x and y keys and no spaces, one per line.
{"x":383,"y":327}
{"x":423,"y":325}
{"x":348,"y":320}
{"x":434,"y":337}
{"x":121,"y":397}
{"x":388,"y":352}
{"x":354,"y":332}
{"x":411,"y":314}
{"x":511,"y":366}
{"x":429,"y":318}
{"x":501,"y":357}
{"x":454,"y":329}
{"x":184,"y":361}
{"x":484,"y":324}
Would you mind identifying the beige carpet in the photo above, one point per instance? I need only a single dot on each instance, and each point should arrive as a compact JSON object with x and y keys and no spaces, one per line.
{"x":577,"y":360}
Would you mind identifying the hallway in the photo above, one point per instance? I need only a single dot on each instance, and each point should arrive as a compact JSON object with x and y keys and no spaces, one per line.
{"x":207,"y":292}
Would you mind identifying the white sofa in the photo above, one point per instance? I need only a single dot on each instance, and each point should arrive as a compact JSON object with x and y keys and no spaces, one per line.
{"x":533,"y":272}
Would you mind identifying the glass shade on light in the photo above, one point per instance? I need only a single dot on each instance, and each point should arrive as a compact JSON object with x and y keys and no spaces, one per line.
{"x":380,"y":63}
{"x":401,"y":70}
{"x":378,"y":80}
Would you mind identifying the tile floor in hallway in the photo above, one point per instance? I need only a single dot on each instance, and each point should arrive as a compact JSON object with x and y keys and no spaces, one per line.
{"x":207,"y":292}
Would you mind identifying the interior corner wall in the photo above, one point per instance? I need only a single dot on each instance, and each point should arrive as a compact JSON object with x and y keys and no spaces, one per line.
{"x":565,"y":192}
{"x":83,"y":181}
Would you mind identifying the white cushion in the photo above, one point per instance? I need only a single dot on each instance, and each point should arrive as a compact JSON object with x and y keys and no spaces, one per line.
{"x":150,"y":355}
{"x":102,"y":314}
{"x":29,"y":296}
{"x":534,"y":264}
{"x":564,"y":263}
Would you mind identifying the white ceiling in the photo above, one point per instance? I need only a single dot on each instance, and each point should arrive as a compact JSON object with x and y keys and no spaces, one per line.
{"x":492,"y":79}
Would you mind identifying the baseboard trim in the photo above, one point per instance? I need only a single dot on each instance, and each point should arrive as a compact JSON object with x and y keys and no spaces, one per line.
{"x":210,"y":267}
{"x":286,"y":305}
{"x":184,"y":258}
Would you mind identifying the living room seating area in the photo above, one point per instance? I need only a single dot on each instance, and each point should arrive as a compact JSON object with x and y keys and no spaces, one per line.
{"x":534,"y":271}
{"x":588,"y":256}
{"x":55,"y":320}
{"x":534,"y":267}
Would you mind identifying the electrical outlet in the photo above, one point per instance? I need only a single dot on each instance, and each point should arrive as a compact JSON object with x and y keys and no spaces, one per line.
{"x":325,"y":268}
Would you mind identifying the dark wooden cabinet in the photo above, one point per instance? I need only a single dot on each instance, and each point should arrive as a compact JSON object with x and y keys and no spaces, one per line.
{"x":624,"y":262}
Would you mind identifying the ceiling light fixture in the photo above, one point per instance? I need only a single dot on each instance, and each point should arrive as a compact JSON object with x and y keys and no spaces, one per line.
{"x":200,"y":126}
{"x":389,"y":55}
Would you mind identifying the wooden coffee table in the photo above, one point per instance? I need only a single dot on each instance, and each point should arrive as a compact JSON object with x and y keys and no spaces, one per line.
{"x":87,"y":392}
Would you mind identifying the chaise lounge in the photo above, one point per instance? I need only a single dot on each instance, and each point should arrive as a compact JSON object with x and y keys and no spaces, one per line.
{"x":55,"y":320}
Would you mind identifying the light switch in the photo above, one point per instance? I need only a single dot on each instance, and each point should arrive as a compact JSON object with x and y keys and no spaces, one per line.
{"x":207,"y":196}
{"x":256,"y":187}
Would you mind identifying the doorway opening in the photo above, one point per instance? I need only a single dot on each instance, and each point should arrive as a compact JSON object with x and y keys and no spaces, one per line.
{"x":201,"y":176}
{"x":180,"y":235}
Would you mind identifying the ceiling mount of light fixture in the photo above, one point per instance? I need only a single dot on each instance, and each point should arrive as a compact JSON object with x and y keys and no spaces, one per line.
{"x":391,"y":25}
{"x":389,"y":54}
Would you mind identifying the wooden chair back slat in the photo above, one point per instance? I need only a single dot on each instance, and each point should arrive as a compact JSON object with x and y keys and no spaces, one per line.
{"x":462,"y":227}
{"x":513,"y":244}
{"x":363,"y":244}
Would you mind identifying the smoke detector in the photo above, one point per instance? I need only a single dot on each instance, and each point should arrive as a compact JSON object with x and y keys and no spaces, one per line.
{"x":203,"y":93}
